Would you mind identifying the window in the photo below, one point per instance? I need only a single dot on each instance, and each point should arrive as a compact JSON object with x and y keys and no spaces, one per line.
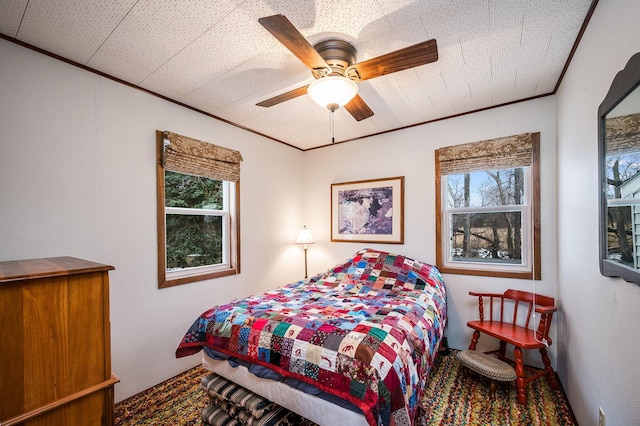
{"x":198,"y":210}
{"x":487,"y":208}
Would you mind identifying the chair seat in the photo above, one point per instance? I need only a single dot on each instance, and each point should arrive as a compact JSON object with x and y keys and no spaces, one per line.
{"x":514,"y":334}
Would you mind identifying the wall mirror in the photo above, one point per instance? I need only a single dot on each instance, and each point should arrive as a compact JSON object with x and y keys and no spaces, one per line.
{"x":619,"y":175}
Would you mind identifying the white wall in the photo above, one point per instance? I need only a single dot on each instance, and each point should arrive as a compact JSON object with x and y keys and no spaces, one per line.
{"x":598,"y":342}
{"x":410,"y":153}
{"x":77,"y":178}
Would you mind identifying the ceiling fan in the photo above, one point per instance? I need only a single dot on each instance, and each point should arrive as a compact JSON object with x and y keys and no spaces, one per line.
{"x":334,"y":61}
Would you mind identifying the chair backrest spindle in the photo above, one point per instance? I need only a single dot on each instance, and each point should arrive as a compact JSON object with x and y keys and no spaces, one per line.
{"x":526,"y":325}
{"x":515,"y":311}
{"x":491,"y":308}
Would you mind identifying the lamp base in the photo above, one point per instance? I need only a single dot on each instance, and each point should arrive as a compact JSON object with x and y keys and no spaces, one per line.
{"x":305,"y":263}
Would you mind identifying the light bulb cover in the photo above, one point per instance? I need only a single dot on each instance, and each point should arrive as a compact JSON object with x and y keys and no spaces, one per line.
{"x":333,"y":90}
{"x":305,"y":237}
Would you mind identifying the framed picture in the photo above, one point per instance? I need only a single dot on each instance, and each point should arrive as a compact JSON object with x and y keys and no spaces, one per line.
{"x":369,"y":211}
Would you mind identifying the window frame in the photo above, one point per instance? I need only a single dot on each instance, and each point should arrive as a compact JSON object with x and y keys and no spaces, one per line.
{"x":531,"y":265}
{"x":231,"y":251}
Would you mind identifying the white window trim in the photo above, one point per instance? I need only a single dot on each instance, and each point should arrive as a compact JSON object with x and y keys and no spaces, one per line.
{"x":228,"y":189}
{"x":527,"y":230}
{"x":226,"y":235}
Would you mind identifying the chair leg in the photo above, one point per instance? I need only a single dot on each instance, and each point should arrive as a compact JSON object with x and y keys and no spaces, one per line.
{"x":474,"y":340}
{"x":551,"y":377}
{"x":520,"y":380}
{"x":503,"y":348}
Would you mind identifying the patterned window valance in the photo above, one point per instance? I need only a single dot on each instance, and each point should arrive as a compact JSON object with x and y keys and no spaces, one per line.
{"x":623,"y":134}
{"x":492,"y":154}
{"x":191,"y":156}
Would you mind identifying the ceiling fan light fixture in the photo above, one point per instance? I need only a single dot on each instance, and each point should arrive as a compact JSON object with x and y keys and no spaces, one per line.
{"x":331,"y":91}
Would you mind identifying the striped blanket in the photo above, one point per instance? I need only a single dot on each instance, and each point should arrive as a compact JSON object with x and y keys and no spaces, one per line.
{"x":233,"y":405}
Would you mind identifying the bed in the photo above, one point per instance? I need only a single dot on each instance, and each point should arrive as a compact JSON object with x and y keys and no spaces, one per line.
{"x":358,"y":340}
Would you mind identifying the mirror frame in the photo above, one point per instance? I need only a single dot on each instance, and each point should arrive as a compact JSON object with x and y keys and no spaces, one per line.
{"x":623,"y":84}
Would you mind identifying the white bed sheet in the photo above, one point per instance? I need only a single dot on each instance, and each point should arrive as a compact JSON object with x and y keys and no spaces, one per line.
{"x":311,"y":407}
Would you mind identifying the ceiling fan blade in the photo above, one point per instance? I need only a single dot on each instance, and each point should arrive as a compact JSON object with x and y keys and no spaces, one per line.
{"x":409,"y":57}
{"x":358,"y":108}
{"x":282,"y":29}
{"x":284,"y":97}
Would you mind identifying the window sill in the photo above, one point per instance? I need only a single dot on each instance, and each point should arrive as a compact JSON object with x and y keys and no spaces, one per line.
{"x":488,"y":273}
{"x":200,"y":277}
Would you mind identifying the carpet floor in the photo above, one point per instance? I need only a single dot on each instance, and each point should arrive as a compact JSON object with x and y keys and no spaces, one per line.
{"x":454,"y":396}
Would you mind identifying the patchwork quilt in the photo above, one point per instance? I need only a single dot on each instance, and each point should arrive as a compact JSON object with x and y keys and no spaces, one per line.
{"x":366,"y":330}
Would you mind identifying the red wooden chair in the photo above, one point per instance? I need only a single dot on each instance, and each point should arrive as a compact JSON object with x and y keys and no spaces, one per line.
{"x":509,"y":321}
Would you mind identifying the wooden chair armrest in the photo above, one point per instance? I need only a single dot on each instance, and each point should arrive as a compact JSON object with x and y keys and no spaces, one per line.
{"x":546,"y":309}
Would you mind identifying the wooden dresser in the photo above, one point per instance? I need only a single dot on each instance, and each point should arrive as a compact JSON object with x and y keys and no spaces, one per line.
{"x":55,"y":344}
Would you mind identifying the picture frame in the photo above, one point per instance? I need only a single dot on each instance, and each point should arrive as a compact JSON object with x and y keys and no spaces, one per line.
{"x":370,"y":211}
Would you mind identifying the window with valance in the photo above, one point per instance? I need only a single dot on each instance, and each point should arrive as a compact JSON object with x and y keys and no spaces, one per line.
{"x":198,"y":192}
{"x":487,"y":207}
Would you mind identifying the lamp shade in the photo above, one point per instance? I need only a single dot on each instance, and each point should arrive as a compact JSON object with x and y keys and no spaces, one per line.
{"x":332,"y":92}
{"x":305,"y":237}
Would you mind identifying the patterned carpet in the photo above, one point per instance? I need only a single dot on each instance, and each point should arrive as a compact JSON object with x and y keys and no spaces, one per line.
{"x":456,"y":396}
{"x":177,"y":401}
{"x":453,"y":396}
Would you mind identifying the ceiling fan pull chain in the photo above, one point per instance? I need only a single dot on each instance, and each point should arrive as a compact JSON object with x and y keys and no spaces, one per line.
{"x":332,"y":108}
{"x":333,"y":128}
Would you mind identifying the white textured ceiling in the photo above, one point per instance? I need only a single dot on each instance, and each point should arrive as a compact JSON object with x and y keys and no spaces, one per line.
{"x":214,"y":55}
